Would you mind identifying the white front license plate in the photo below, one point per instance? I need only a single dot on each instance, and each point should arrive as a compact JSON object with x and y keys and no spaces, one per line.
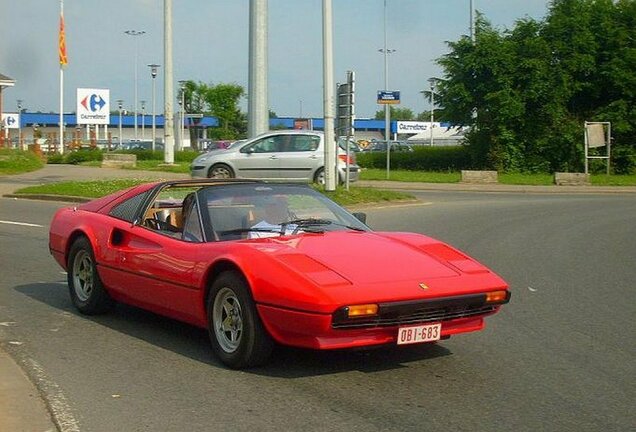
{"x":419,"y":334}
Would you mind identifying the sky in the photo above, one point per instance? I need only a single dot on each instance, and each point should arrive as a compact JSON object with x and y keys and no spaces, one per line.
{"x":210,"y":44}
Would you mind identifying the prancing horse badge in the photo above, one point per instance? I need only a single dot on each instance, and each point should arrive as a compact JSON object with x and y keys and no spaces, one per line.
{"x":423,"y":286}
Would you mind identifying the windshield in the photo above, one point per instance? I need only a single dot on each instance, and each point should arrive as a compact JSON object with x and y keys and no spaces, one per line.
{"x":245,"y":211}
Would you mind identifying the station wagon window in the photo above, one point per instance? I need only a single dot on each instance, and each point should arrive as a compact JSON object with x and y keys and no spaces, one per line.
{"x":266,"y":145}
{"x":302,"y":143}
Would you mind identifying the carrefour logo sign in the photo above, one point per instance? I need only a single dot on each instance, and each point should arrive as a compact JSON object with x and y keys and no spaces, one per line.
{"x":414,"y":127}
{"x":93,"y":106}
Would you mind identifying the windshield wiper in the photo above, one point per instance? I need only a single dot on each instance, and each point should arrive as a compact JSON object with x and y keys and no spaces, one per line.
{"x":308,"y":222}
{"x":276,"y":229}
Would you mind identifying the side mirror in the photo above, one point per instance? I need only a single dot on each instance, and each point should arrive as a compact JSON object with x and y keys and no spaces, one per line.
{"x":248,"y":150}
{"x":362,"y":217}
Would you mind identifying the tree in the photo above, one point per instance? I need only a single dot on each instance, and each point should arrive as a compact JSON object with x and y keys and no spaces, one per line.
{"x":221,"y":101}
{"x":532,"y":87}
{"x":400,"y":114}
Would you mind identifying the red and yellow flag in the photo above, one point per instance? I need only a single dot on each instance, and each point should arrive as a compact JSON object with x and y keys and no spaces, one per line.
{"x":62,"y":42}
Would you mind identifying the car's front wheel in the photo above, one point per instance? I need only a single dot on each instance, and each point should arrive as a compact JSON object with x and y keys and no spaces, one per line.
{"x":87,"y":291}
{"x":221,"y":171}
{"x":237,"y":334}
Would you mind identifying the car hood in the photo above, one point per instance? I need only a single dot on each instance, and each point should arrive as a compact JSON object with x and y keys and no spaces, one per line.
{"x":364,"y":257}
{"x":349,"y":267}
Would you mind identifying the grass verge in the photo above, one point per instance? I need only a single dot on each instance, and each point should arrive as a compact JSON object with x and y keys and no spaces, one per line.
{"x":410,"y":176}
{"x":85,"y":189}
{"x":99,"y":188}
{"x":17,"y":161}
{"x":540,"y":179}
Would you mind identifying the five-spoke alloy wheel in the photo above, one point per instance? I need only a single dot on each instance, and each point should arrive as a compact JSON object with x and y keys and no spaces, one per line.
{"x":237,"y":334}
{"x":87,"y":291}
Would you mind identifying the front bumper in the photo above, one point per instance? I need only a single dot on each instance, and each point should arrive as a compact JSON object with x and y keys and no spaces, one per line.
{"x":308,"y":330}
{"x":199,"y":170}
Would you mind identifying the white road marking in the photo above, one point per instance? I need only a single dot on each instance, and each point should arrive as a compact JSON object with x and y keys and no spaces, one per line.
{"x":392,"y":206}
{"x":7,"y":323}
{"x":55,"y":399}
{"x":21,"y":224}
{"x":532,"y":289}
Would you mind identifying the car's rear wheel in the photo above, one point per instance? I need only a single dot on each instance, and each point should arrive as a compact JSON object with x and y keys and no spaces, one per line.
{"x":87,"y":291}
{"x":237,"y":334}
{"x":319,"y":177}
{"x":221,"y":171}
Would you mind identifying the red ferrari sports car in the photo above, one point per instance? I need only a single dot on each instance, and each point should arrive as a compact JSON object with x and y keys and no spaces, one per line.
{"x":259,"y":263}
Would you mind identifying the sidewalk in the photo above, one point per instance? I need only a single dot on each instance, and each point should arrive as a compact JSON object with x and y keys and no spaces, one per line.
{"x":21,"y":407}
{"x":57,"y":173}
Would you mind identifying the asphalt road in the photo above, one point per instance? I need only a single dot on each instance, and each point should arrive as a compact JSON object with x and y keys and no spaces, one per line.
{"x":560,"y":357}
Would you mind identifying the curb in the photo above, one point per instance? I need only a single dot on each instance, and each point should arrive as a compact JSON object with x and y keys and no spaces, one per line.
{"x":496,"y":188}
{"x":44,"y":197}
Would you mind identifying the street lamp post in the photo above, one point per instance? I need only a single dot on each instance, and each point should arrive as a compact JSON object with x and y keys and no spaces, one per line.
{"x":153,"y":73}
{"x":182,"y":84}
{"x":387,"y":109}
{"x":135,"y":33}
{"x":120,"y":105}
{"x":431,"y":81}
{"x":19,"y":102}
{"x":143,"y":119}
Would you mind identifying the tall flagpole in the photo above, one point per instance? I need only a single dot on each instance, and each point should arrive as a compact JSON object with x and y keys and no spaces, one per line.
{"x":63,"y":61}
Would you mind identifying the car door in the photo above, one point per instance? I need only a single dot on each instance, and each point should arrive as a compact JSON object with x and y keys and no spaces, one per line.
{"x":157,"y":271}
{"x":300,"y":157}
{"x":259,"y":159}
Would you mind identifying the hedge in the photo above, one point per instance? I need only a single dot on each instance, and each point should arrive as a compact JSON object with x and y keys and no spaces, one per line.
{"x":422,"y":158}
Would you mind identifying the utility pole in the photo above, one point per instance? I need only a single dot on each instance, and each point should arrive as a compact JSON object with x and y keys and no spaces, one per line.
{"x":135,"y":33}
{"x":257,"y":105}
{"x":168,"y":95}
{"x":153,"y":73}
{"x":328,"y":97}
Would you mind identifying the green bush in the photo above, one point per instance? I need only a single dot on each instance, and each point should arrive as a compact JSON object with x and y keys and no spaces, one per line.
{"x":75,"y":157}
{"x":623,"y":160}
{"x":180,"y":156}
{"x":185,"y":155}
{"x":54,"y":158}
{"x":422,"y":158}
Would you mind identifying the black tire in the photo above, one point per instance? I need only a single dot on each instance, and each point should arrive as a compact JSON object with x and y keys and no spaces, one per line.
{"x":221,"y":171}
{"x":87,"y":291}
{"x":319,"y":177}
{"x":236,"y":332}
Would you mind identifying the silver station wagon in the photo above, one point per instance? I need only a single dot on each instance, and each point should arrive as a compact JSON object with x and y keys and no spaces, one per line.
{"x":279,"y":155}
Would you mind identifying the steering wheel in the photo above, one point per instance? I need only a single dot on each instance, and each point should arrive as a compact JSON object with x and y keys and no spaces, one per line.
{"x":158,"y":224}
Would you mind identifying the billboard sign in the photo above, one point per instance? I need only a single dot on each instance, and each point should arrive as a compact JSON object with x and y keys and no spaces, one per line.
{"x":93,"y":106}
{"x":11,"y":121}
{"x":415,"y":127}
{"x":388,"y":97}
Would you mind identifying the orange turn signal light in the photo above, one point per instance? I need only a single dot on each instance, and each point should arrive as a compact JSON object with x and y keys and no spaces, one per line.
{"x":362,"y":310}
{"x":496,"y":297}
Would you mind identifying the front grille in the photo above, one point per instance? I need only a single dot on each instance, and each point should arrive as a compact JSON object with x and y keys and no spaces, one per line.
{"x":415,"y":312}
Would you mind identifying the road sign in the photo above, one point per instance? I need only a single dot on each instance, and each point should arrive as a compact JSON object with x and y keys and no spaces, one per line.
{"x":388,"y":97}
{"x":11,"y":121}
{"x":93,"y":106}
{"x":345,"y":109}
